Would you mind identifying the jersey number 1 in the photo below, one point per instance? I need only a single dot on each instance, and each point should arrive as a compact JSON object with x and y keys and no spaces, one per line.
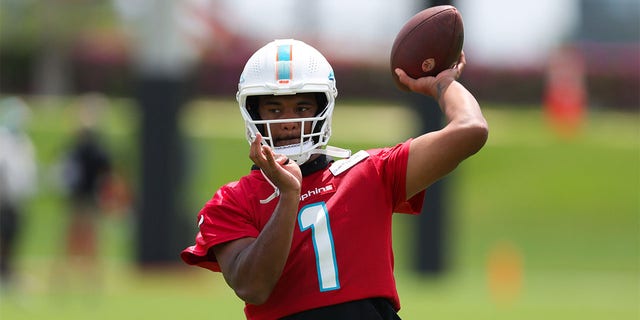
{"x":316,"y":217}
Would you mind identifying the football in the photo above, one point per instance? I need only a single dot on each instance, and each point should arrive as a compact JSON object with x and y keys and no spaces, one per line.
{"x":430,"y":42}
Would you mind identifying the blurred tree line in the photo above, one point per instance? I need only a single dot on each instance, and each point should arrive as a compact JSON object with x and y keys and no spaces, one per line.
{"x":42,"y":44}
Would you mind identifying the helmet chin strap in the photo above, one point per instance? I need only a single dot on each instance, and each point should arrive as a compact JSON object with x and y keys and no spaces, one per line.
{"x":293,"y":152}
{"x":333,"y":152}
{"x":293,"y":149}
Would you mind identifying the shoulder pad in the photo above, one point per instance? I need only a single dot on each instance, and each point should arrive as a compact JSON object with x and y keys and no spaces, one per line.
{"x":342,"y":165}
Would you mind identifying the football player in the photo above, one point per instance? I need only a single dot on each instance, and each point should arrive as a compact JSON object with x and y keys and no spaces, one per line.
{"x":306,"y":236}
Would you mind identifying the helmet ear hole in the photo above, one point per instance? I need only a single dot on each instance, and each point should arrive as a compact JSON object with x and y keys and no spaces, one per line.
{"x":252,"y":105}
{"x":321,"y":100}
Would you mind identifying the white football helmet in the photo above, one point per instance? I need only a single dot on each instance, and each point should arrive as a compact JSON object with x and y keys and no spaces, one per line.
{"x":287,"y":67}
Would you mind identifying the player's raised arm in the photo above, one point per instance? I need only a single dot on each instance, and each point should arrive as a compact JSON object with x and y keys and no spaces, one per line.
{"x":252,"y":266}
{"x":435,"y":154}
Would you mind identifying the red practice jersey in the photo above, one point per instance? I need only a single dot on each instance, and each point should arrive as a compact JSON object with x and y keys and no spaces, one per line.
{"x":341,"y":249}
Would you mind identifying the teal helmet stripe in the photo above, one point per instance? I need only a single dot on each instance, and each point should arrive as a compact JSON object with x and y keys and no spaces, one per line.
{"x":283,"y":62}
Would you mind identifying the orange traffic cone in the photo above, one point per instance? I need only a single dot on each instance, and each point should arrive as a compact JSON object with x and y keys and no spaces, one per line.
{"x":505,"y":273}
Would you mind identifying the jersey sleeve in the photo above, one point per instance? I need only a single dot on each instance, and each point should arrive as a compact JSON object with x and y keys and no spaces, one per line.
{"x":222,"y":219}
{"x":392,"y":165}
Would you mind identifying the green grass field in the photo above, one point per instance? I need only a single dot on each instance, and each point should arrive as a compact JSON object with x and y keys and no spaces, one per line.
{"x":567,"y":210}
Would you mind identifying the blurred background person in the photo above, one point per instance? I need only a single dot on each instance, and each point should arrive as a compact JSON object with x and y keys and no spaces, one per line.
{"x":18,"y":177}
{"x":86,"y":171}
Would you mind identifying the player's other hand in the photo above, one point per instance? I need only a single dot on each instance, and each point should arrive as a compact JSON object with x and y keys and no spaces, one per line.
{"x":433,"y":86}
{"x":284,"y":173}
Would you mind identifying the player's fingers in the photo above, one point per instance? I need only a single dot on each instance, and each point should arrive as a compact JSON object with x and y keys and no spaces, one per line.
{"x":257,"y":140}
{"x":281,"y":159}
{"x":408,"y":81}
{"x":289,"y":166}
{"x":253,"y":149}
{"x":462,"y":62}
{"x":268,"y":155}
{"x":257,"y":151}
{"x":402,"y":76}
{"x":422,"y":85}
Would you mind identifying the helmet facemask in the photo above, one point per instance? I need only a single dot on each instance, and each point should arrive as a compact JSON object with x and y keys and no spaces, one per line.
{"x":314,"y":131}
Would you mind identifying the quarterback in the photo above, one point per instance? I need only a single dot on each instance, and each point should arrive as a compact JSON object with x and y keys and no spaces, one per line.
{"x":306,"y":234}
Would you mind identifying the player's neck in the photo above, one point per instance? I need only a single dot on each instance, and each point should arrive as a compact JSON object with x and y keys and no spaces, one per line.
{"x":317,"y":162}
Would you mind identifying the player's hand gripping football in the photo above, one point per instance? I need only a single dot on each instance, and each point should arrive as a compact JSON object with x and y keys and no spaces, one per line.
{"x":433,"y":86}
{"x":283,"y":173}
